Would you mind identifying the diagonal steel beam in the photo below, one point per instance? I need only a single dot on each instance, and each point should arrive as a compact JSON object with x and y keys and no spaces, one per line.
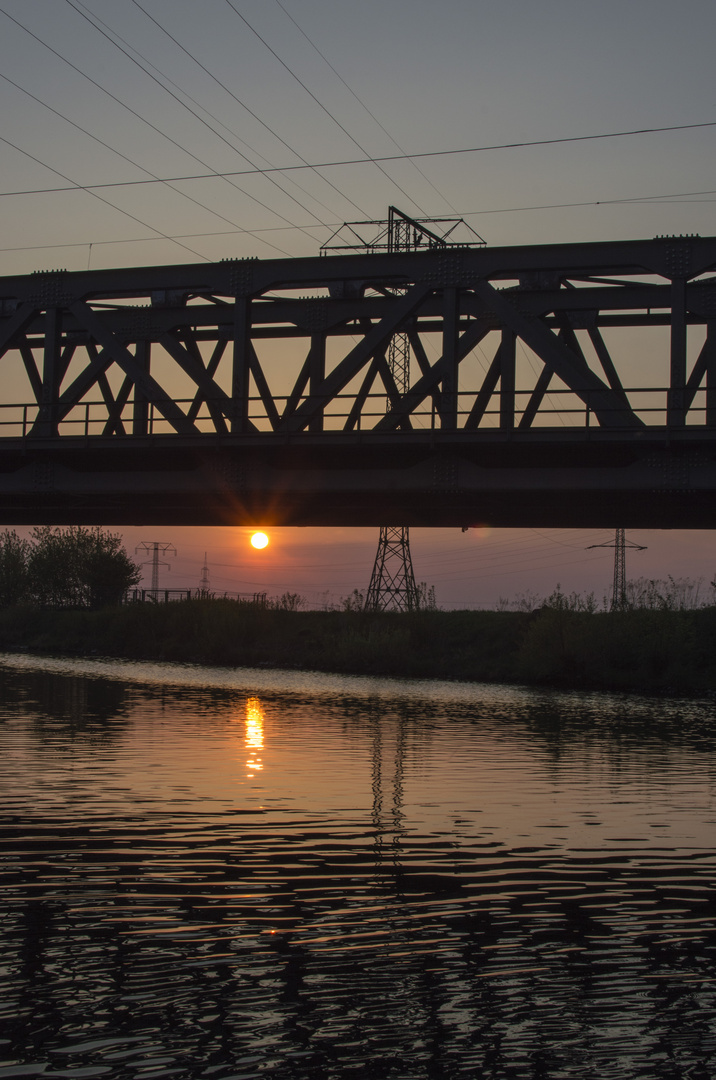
{"x":87,"y":378}
{"x":361,"y":397}
{"x":114,"y":424}
{"x":16,"y":324}
{"x":263,"y":388}
{"x":427,"y":383}
{"x":349,"y":367}
{"x":391,"y":389}
{"x":482,"y":400}
{"x":299,"y":386}
{"x":421,"y":356}
{"x":605,"y":359}
{"x":130,"y":366}
{"x":211,"y":368}
{"x":536,"y":397}
{"x":217,"y":400}
{"x":704,"y":364}
{"x":33,"y":374}
{"x":604,"y":402}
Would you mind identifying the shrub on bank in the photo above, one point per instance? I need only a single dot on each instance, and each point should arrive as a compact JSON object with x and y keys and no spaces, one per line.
{"x":72,"y":567}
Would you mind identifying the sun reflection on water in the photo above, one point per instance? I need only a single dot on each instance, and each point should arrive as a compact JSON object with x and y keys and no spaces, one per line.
{"x":254,"y":734}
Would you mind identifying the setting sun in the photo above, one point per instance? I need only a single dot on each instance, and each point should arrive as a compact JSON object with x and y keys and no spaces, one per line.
{"x":259,"y":540}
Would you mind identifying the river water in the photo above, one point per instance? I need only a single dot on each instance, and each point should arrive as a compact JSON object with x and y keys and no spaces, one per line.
{"x":241,"y":873}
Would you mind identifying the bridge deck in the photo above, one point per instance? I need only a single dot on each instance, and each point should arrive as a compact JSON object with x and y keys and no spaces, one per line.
{"x":552,"y":385}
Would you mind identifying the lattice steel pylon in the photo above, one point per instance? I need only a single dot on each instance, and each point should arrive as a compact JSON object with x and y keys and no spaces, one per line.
{"x":392,"y":583}
{"x":620,"y":544}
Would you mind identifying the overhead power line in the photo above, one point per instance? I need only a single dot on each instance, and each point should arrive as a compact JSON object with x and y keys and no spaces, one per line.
{"x":326,"y":110}
{"x":114,"y":150}
{"x":134,"y":113}
{"x":192,"y":112}
{"x":339,"y":163}
{"x":239,"y":101}
{"x":360,"y":101}
{"x":133,"y":217}
{"x":635,"y":199}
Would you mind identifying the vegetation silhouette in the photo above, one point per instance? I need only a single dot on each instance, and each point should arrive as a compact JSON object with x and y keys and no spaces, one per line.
{"x":61,"y":591}
{"x":74,"y":567}
{"x":658,"y":650}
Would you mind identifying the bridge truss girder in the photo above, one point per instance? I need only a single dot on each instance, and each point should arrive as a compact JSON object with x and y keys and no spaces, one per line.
{"x":275,"y":373}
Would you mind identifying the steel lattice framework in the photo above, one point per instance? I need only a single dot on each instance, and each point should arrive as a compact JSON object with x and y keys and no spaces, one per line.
{"x":558,"y":384}
{"x":392,"y":583}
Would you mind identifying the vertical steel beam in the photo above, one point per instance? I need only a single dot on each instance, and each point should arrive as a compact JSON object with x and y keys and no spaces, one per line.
{"x":241,"y":366}
{"x":711,"y":373}
{"x":140,"y":412}
{"x":317,"y":373}
{"x":51,"y":372}
{"x":449,"y":400}
{"x":676,"y":412}
{"x":507,"y":379}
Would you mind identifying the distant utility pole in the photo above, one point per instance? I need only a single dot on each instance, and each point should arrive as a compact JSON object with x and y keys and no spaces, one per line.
{"x":620,"y":544}
{"x":204,"y":584}
{"x":154,"y":548}
{"x":392,"y":583}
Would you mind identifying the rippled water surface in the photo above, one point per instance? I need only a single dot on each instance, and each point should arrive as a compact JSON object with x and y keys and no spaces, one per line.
{"x":214,"y":873}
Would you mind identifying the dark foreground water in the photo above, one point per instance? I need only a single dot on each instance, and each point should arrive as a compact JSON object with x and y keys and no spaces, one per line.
{"x":261,"y":874}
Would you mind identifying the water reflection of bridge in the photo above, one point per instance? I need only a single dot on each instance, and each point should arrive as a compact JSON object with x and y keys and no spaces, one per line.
{"x":562,"y":384}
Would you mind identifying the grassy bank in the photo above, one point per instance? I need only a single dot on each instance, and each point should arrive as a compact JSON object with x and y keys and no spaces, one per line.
{"x":656,"y":651}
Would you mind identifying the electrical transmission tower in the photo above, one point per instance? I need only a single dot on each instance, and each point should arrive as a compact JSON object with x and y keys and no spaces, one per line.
{"x":620,"y":544}
{"x":154,"y":548}
{"x":392,"y":583}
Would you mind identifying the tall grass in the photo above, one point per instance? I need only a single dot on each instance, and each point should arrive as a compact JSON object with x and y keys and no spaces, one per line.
{"x":657,"y":649}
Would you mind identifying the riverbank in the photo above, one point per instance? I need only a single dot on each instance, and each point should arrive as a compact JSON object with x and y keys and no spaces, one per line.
{"x":641,"y":650}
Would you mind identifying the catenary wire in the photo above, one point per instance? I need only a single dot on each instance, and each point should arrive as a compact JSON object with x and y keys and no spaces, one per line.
{"x":363,"y":105}
{"x":201,"y":120}
{"x":125,"y":157}
{"x":250,"y":111}
{"x":466,"y":559}
{"x":215,"y":118}
{"x":530,"y":564}
{"x":133,"y":112}
{"x":360,"y":161}
{"x":285,"y":228}
{"x":106,"y":202}
{"x":327,"y":111}
{"x":475,"y":577}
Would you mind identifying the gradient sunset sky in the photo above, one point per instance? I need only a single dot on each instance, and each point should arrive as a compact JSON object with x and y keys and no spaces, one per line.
{"x":511,"y":115}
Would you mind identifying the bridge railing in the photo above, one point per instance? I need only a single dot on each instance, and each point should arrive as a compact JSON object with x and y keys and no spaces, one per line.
{"x":561,"y":409}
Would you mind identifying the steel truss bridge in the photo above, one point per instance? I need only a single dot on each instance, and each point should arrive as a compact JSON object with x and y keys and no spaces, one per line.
{"x":563,"y":385}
